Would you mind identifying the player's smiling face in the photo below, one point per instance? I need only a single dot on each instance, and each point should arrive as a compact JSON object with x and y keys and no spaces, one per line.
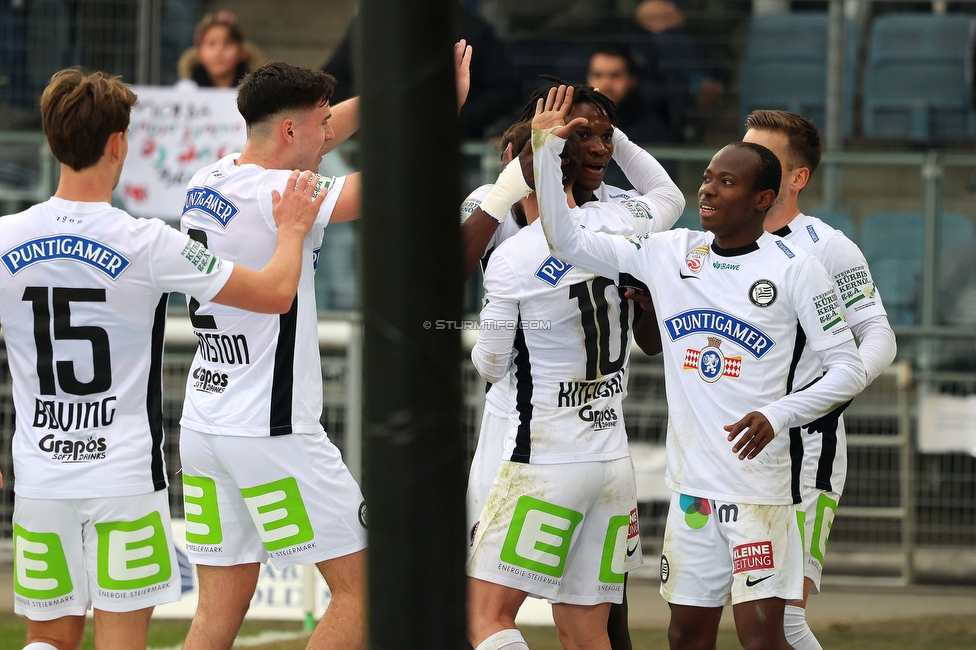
{"x":727,"y":198}
{"x":596,"y":142}
{"x":312,"y":132}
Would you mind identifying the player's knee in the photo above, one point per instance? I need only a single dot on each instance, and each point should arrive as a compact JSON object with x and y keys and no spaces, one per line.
{"x":685,"y":637}
{"x":762,"y":638}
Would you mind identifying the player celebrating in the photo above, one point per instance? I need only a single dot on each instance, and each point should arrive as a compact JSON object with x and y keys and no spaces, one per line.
{"x":83,"y":311}
{"x":797,"y":145}
{"x":261,"y":479}
{"x":568,"y":377}
{"x":734,"y":305}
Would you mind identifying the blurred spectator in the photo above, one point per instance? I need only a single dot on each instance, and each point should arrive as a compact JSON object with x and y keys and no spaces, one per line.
{"x":614,"y":72}
{"x":494,"y":91}
{"x":220,"y":57}
{"x":679,"y":58}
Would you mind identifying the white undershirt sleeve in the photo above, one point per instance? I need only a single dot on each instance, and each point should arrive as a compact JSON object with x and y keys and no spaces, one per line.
{"x":876,"y":345}
{"x":843,"y":379}
{"x":493,"y":353}
{"x":649,"y":178}
{"x":595,"y":252}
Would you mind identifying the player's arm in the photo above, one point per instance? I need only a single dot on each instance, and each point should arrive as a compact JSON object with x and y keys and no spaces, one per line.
{"x":647,"y":333}
{"x":272,"y":289}
{"x":492,"y":354}
{"x":480,"y":222}
{"x":345,"y":115}
{"x":862,"y":308}
{"x":349,"y":203}
{"x":596,"y":252}
{"x":818,"y":313}
{"x":344,"y":121}
{"x":663,"y":198}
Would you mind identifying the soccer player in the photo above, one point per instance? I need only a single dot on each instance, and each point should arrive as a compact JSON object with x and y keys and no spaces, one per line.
{"x":261,"y":479}
{"x":483,"y":233}
{"x":734,"y":306}
{"x":562,"y":423}
{"x":796,"y":143}
{"x":83,"y":308}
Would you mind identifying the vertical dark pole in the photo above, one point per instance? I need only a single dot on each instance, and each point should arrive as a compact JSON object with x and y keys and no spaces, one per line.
{"x":413,"y":448}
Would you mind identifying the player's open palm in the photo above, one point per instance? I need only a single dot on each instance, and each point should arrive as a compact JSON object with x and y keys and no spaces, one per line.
{"x":298,"y":207}
{"x":551,"y":112}
{"x":753,"y":432}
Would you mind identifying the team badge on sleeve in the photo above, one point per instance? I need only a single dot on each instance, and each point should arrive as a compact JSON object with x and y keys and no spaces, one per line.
{"x":710,"y":363}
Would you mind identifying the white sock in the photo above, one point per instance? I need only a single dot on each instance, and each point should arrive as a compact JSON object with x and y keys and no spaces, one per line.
{"x":37,"y":645}
{"x":798,"y":633}
{"x":504,"y":640}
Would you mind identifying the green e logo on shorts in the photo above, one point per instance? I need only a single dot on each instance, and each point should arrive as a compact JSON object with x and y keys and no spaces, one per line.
{"x":40,"y":567}
{"x":612,"y":563}
{"x":279,"y":513}
{"x":826,"y":509}
{"x":539,"y":536}
{"x":132,"y":554}
{"x":202,"y":514}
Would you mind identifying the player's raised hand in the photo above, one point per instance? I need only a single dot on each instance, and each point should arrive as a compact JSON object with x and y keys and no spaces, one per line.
{"x":551,"y":112}
{"x":298,"y":207}
{"x":756,"y":434}
{"x":462,"y":71}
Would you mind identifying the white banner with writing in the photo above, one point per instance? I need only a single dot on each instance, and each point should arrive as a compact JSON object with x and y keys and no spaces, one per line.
{"x":172,"y":134}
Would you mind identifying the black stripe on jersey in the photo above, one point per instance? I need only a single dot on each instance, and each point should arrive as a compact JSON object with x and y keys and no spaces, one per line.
{"x":825,"y":466}
{"x":627,"y":280}
{"x":796,"y":463}
{"x":796,"y":442}
{"x":283,"y":378}
{"x":783,"y":232}
{"x":154,"y":394}
{"x":523,"y":397}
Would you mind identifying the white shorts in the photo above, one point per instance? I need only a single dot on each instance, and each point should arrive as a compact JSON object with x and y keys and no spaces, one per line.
{"x":815,"y":515}
{"x":484,"y":465}
{"x":714,"y":549}
{"x":567,"y":533}
{"x":113,"y":553}
{"x":287,"y":498}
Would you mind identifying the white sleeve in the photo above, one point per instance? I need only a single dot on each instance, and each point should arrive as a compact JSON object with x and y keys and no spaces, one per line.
{"x":843,"y":380}
{"x":493,"y":353}
{"x":334,"y":186}
{"x":849,"y":270}
{"x":659,"y":193}
{"x":876,"y":344}
{"x":815,"y":305}
{"x":600,"y":253}
{"x":180,"y":264}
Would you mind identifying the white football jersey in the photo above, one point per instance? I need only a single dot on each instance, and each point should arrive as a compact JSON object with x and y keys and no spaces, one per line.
{"x":825,"y":457}
{"x":732,"y":323}
{"x":569,"y":336}
{"x":253,"y":374}
{"x":83,"y":312}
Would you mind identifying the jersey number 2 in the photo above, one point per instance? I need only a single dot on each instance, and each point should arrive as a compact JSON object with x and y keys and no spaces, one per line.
{"x":595,"y":319}
{"x":65,"y":331}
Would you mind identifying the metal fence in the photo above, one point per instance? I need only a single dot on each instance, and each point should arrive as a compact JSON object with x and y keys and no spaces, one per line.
{"x":902,"y":510}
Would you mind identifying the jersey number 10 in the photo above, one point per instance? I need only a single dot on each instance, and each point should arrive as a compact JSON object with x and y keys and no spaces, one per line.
{"x":595,"y":319}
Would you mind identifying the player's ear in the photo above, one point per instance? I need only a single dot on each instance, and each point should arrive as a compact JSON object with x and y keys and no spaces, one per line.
{"x":113,"y":147}
{"x":287,"y":129}
{"x":764,"y":200}
{"x":800,"y":178}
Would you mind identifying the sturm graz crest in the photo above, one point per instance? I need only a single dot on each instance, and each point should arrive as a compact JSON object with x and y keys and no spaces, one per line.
{"x":711,"y":363}
{"x":665,"y":569}
{"x":762,"y":293}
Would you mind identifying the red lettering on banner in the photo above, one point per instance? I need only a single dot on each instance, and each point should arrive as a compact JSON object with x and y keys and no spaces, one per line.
{"x":633,"y":530}
{"x":752,"y":557}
